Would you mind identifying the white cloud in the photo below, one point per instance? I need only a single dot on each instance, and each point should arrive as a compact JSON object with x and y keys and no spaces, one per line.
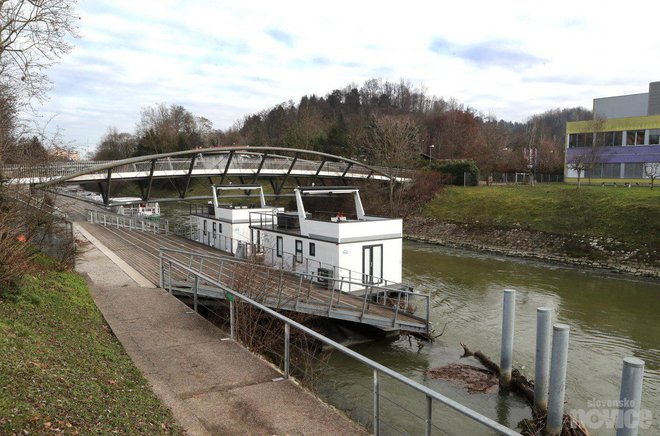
{"x":223,"y":59}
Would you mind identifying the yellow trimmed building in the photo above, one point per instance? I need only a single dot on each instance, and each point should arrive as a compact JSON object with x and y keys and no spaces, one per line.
{"x":620,"y":145}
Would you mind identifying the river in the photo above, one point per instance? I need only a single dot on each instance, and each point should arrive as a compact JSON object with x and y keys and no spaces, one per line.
{"x":610,"y":317}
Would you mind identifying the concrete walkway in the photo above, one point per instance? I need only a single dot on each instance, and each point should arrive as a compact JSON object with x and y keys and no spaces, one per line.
{"x":212,"y":386}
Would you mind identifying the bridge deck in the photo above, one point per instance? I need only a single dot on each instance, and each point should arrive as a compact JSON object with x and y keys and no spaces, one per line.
{"x":276,"y":288}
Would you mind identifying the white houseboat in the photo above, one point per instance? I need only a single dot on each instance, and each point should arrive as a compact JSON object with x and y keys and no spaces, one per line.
{"x":347,"y":251}
{"x":226,"y":226}
{"x":136,"y":207}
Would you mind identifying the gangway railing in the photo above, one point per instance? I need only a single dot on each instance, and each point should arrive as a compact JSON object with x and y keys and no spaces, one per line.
{"x":132,"y":222}
{"x":406,"y":310}
{"x":429,"y":395}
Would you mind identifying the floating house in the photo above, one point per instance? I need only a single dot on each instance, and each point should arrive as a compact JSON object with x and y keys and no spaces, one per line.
{"x":225,"y":225}
{"x":346,"y":250}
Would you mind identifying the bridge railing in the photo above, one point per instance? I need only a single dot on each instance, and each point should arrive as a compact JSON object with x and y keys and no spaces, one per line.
{"x":425,"y":399}
{"x":274,"y":165}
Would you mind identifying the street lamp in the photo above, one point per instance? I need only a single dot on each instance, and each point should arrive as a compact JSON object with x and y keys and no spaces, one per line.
{"x":431,"y":147}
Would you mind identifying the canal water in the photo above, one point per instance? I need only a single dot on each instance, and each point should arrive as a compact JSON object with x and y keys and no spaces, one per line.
{"x":610,"y":317}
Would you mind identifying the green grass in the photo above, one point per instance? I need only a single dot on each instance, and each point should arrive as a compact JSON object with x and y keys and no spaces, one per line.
{"x":61,"y":368}
{"x":629,"y":215}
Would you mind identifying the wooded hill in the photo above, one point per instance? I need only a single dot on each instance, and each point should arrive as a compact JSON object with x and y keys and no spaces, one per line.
{"x":347,"y":122}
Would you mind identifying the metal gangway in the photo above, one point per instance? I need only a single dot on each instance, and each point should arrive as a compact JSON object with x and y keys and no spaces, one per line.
{"x":336,"y":297}
{"x":427,"y":399}
{"x":379,"y":306}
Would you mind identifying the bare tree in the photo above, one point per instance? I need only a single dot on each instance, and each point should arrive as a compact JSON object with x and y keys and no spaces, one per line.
{"x":115,"y":145}
{"x":32,"y":38}
{"x":394,"y":143}
{"x":652,"y":171}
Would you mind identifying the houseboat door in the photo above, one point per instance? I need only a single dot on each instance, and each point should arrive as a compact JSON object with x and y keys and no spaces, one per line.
{"x":372,"y":264}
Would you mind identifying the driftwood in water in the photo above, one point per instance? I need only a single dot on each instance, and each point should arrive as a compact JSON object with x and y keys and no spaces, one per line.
{"x":519,"y":382}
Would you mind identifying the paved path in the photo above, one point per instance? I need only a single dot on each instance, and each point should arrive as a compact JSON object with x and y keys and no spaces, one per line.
{"x":211,"y":384}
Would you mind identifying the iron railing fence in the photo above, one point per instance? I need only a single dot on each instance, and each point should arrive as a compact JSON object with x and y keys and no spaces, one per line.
{"x":400,"y":303}
{"x":427,"y":396}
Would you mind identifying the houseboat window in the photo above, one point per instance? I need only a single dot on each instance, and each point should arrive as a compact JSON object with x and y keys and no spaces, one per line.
{"x":299,"y":256}
{"x":312,"y":249}
{"x":214,"y":229}
{"x":280,"y":248}
{"x":204,"y":227}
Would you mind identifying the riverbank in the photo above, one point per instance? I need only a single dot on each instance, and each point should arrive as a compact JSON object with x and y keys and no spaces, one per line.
{"x":616,"y":229}
{"x":62,"y":369}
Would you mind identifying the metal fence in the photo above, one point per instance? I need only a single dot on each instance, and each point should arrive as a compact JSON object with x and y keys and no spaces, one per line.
{"x":405,"y":310}
{"x":520,"y":178}
{"x":427,"y":396}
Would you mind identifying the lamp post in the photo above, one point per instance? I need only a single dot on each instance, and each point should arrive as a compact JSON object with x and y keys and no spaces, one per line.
{"x":431,"y":147}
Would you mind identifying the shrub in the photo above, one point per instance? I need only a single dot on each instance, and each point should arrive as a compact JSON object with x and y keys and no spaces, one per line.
{"x":456,"y":169}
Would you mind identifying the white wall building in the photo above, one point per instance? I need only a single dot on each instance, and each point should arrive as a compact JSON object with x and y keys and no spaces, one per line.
{"x":226,"y":226}
{"x":361,"y":249}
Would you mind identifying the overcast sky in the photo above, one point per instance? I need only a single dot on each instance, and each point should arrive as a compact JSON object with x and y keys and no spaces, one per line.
{"x":225,"y":59}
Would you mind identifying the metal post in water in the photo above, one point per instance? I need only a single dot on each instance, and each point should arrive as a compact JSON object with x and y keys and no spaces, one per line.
{"x":557,"y":387}
{"x":376,"y":404}
{"x":195,"y":294}
{"x":542,"y":365}
{"x":627,"y":421}
{"x":508,"y":320}
{"x":287,"y":335}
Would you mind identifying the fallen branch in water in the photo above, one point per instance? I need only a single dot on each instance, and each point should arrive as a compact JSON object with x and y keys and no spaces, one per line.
{"x":520,"y":385}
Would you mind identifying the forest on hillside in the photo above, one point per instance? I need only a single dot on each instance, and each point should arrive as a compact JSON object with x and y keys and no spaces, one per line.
{"x":361,"y":122}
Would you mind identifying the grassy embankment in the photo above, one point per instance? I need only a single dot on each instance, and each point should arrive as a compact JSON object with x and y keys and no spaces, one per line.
{"x":629,"y":215}
{"x":62,"y":369}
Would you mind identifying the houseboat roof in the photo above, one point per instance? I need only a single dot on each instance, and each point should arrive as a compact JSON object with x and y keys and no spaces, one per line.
{"x":327,"y":189}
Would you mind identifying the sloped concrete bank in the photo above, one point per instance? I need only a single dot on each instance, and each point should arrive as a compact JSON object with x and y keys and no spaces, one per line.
{"x":577,"y":250}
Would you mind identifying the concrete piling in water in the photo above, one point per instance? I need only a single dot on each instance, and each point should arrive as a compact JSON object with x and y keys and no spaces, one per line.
{"x":557,"y":386}
{"x":627,"y":421}
{"x":508,"y":321}
{"x":542,"y":364}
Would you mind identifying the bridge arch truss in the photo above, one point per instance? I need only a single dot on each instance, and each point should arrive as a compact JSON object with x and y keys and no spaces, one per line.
{"x":246,"y":165}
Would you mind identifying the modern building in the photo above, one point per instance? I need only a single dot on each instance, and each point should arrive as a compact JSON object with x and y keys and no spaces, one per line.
{"x":621,"y":144}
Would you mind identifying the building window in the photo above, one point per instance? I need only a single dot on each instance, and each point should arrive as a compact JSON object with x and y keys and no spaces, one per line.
{"x":312,"y":249}
{"x":633,"y":170}
{"x":612,"y":171}
{"x":205,"y":228}
{"x":580,"y":140}
{"x":635,"y":137}
{"x":609,"y":139}
{"x":594,"y":171}
{"x":299,"y":254}
{"x":654,"y":137}
{"x":280,"y":246}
